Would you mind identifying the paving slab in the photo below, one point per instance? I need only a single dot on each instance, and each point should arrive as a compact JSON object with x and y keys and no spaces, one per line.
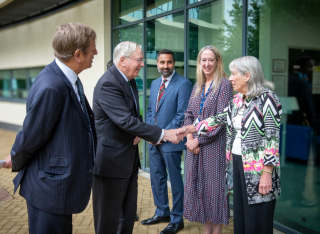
{"x":13,"y":207}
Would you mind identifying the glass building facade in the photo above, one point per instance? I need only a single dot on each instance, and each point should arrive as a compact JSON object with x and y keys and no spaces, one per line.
{"x":15,"y":84}
{"x":283,"y":35}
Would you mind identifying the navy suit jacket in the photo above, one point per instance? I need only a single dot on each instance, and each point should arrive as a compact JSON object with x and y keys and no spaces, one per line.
{"x":172,"y":106}
{"x":53,"y":151}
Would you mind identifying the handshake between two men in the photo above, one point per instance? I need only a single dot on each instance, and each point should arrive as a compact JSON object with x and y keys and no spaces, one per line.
{"x":177,"y":135}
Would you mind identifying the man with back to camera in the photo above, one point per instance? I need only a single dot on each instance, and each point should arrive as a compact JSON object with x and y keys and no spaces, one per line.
{"x":119,"y":128}
{"x":55,"y":150}
{"x":169,"y":96}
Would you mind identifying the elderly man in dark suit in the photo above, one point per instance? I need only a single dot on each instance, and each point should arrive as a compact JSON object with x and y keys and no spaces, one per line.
{"x":119,"y":129}
{"x":55,"y":150}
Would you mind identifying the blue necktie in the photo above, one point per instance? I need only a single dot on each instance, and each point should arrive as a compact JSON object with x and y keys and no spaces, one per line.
{"x":84,"y":108}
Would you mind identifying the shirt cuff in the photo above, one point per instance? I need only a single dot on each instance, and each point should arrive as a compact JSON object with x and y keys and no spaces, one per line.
{"x":162,"y":133}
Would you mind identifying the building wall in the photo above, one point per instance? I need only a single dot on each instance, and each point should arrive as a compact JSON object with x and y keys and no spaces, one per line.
{"x":29,"y":45}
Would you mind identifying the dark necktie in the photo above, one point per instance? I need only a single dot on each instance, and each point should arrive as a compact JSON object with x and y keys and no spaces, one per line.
{"x":135,"y":101}
{"x":161,"y":92}
{"x":84,"y":108}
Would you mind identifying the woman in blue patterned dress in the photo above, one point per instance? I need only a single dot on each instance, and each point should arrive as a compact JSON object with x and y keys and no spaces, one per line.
{"x":205,"y":200}
{"x":252,"y":119}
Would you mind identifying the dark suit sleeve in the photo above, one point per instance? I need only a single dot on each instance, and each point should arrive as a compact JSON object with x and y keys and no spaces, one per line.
{"x":149,"y":112}
{"x":183,"y":99}
{"x":113,"y":103}
{"x":42,"y":115}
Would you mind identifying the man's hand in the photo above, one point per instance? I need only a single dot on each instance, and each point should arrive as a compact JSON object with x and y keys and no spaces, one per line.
{"x":192,"y":144}
{"x":8,"y":163}
{"x":169,"y":135}
{"x":136,"y":140}
{"x":185,"y":130}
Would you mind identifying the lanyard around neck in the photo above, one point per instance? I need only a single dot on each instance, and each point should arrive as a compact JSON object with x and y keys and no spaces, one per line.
{"x":203,"y":97}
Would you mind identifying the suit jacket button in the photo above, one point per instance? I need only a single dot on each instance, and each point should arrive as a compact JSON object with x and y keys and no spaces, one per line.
{"x":13,"y":167}
{"x":89,"y":152}
{"x":88,"y":133}
{"x":90,"y":170}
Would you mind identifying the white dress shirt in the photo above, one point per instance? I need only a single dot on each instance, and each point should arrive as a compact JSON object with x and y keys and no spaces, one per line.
{"x":71,"y":75}
{"x":167,"y":82}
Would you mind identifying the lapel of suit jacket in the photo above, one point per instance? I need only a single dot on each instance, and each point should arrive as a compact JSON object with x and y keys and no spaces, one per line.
{"x":136,"y":93}
{"x":172,"y":83}
{"x":123,"y":83}
{"x":56,"y":68}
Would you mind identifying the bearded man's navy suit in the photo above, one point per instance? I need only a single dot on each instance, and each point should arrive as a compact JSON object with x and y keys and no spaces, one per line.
{"x":169,"y":115}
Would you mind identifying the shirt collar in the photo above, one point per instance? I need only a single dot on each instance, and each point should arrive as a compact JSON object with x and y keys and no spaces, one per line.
{"x":169,"y":78}
{"x":70,"y":74}
{"x":122,"y":73}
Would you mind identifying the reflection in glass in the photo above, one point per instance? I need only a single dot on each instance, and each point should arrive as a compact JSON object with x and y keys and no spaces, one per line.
{"x":284,"y":30}
{"x":155,"y":7}
{"x":219,"y":24}
{"x":125,"y":11}
{"x":164,"y":33}
{"x":5,"y":84}
{"x":33,"y":72}
{"x":132,"y":33}
{"x":19,"y":84}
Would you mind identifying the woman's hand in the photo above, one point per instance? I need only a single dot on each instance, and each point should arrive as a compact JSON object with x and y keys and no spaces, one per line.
{"x":192,"y":144}
{"x":265,"y":184}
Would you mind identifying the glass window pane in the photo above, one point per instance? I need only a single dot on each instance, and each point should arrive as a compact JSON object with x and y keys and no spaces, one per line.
{"x":125,"y":11}
{"x":132,"y":33}
{"x":164,"y":33}
{"x":5,"y":84}
{"x":219,"y":24}
{"x":155,"y":7}
{"x":19,"y":84}
{"x":33,"y":72}
{"x":282,"y":35}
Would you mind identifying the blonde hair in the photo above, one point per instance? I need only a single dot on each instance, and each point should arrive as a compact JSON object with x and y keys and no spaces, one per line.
{"x":257,"y":81}
{"x":219,"y":73}
{"x":71,"y":37}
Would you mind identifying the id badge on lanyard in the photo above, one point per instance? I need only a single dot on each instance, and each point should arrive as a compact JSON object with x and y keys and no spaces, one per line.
{"x":203,"y":99}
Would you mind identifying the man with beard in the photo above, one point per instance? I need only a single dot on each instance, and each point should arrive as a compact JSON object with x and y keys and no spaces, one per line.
{"x":169,"y":96}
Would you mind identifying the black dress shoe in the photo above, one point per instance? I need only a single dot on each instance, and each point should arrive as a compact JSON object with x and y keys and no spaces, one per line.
{"x":137,"y":218}
{"x":155,"y":219}
{"x":172,"y":228}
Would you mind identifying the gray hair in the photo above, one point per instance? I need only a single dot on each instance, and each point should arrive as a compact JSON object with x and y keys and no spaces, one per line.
{"x":126,"y":49}
{"x":257,"y":81}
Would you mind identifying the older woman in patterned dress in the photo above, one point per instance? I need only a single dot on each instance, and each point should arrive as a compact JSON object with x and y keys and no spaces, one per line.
{"x":252,"y":118}
{"x":205,"y":200}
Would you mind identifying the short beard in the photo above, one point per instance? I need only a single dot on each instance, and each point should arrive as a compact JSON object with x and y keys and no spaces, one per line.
{"x":166,"y":74}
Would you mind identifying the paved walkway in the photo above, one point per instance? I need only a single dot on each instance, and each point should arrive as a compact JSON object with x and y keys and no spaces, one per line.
{"x":13,"y":209}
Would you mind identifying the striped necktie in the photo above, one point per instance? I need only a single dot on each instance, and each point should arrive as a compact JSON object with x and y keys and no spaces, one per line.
{"x":161,"y":92}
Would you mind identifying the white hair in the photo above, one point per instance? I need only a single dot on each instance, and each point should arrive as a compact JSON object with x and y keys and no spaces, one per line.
{"x":257,"y":80}
{"x":126,"y":49}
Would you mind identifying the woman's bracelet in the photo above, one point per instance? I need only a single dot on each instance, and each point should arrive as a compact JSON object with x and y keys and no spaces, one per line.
{"x":267,"y":171}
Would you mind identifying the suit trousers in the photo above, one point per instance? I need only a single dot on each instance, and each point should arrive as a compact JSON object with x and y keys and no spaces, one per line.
{"x":160,"y":161}
{"x":249,"y":219}
{"x":43,"y":222}
{"x":115,"y":203}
